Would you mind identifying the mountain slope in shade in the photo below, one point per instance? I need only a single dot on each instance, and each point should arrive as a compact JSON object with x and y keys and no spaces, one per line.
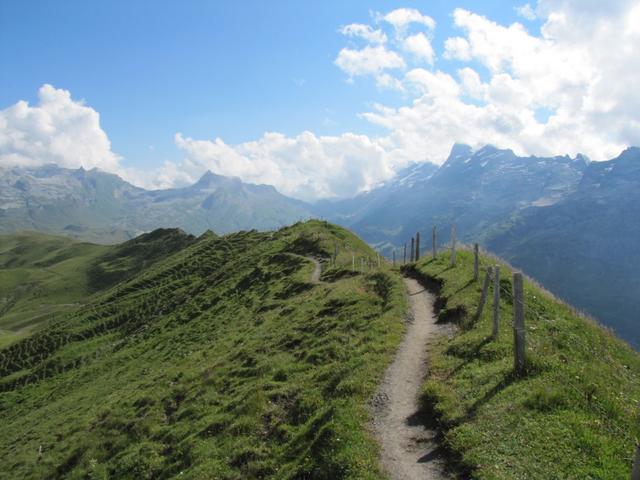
{"x":353,"y":210}
{"x":478,"y":190}
{"x":585,"y":248}
{"x":98,"y":206}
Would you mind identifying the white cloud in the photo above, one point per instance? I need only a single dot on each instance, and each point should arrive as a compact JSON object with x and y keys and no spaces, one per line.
{"x":471,"y":83}
{"x":366,"y":32}
{"x":526,"y":12}
{"x":581,"y":68}
{"x":433,"y":85}
{"x":389,"y":82}
{"x":57,"y":130}
{"x":368,"y":61}
{"x":401,"y":18}
{"x":420,"y":46}
{"x":305,"y":166}
{"x":457,"y":48}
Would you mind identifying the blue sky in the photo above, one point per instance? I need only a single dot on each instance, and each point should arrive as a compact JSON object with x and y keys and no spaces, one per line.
{"x":234,"y":70}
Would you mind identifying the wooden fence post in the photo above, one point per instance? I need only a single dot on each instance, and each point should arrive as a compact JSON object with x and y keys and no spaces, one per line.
{"x":433,"y":241}
{"x":413,"y":246}
{"x":518,"y":323}
{"x":417,"y":246}
{"x":404,"y":258}
{"x":476,"y":262}
{"x":483,"y":295}
{"x":453,"y":245}
{"x":635,"y":472}
{"x":378,"y":259}
{"x":496,"y":301}
{"x":353,"y":262}
{"x":394,"y":257}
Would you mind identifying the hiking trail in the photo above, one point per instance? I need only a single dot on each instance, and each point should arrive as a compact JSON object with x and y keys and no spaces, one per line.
{"x":409,"y":450}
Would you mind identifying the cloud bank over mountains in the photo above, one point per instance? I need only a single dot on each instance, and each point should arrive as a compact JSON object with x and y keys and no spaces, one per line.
{"x":570,"y":87}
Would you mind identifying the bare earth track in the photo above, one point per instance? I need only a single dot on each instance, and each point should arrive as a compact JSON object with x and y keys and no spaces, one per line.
{"x":409,"y":450}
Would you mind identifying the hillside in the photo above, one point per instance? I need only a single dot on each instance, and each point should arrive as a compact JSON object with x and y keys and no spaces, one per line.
{"x":584,"y":248}
{"x":572,"y":414}
{"x":223,"y":360}
{"x":43,"y":277}
{"x":102,"y":208}
{"x":40,"y":277}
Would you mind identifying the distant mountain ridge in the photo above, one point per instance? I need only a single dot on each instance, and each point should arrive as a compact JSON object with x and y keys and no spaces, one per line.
{"x":98,"y":206}
{"x":478,"y":189}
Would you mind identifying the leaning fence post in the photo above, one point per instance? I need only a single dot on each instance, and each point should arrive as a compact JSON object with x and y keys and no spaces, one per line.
{"x":413,"y":246}
{"x":483,"y":295}
{"x":635,"y":472}
{"x":417,"y":246}
{"x":518,"y":323}
{"x":453,"y":245}
{"x":496,"y":301}
{"x":476,"y":261}
{"x":433,"y":241}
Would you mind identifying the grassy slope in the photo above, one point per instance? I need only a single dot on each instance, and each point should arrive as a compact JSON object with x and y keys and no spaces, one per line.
{"x":573,"y":415}
{"x":44,"y":276}
{"x":221,"y":361}
{"x":40,"y":276}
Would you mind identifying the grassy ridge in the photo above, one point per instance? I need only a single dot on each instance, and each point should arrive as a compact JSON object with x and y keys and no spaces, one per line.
{"x":220,"y":361}
{"x":573,"y":415}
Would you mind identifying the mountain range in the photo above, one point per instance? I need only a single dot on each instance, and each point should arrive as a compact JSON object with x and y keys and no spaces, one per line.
{"x":570,"y":223}
{"x":96,"y":206}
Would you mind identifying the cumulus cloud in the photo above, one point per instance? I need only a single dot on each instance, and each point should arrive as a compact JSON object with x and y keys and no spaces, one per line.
{"x":401,"y":18}
{"x":580,"y":70}
{"x":526,"y":12}
{"x":56,"y":130}
{"x":365,"y":32}
{"x":420,"y":46}
{"x":368,"y":60}
{"x":305,"y":166}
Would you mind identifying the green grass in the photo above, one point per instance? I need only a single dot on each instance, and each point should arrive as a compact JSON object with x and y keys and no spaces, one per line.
{"x":573,"y":414}
{"x":41,"y":277}
{"x":219,"y":361}
{"x":44,"y":277}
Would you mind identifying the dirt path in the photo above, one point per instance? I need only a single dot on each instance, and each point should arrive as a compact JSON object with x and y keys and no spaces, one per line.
{"x":317,"y":271}
{"x":315,"y":276}
{"x":409,"y":451}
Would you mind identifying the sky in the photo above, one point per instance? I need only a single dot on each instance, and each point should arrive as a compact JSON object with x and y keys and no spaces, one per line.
{"x":320,"y":99}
